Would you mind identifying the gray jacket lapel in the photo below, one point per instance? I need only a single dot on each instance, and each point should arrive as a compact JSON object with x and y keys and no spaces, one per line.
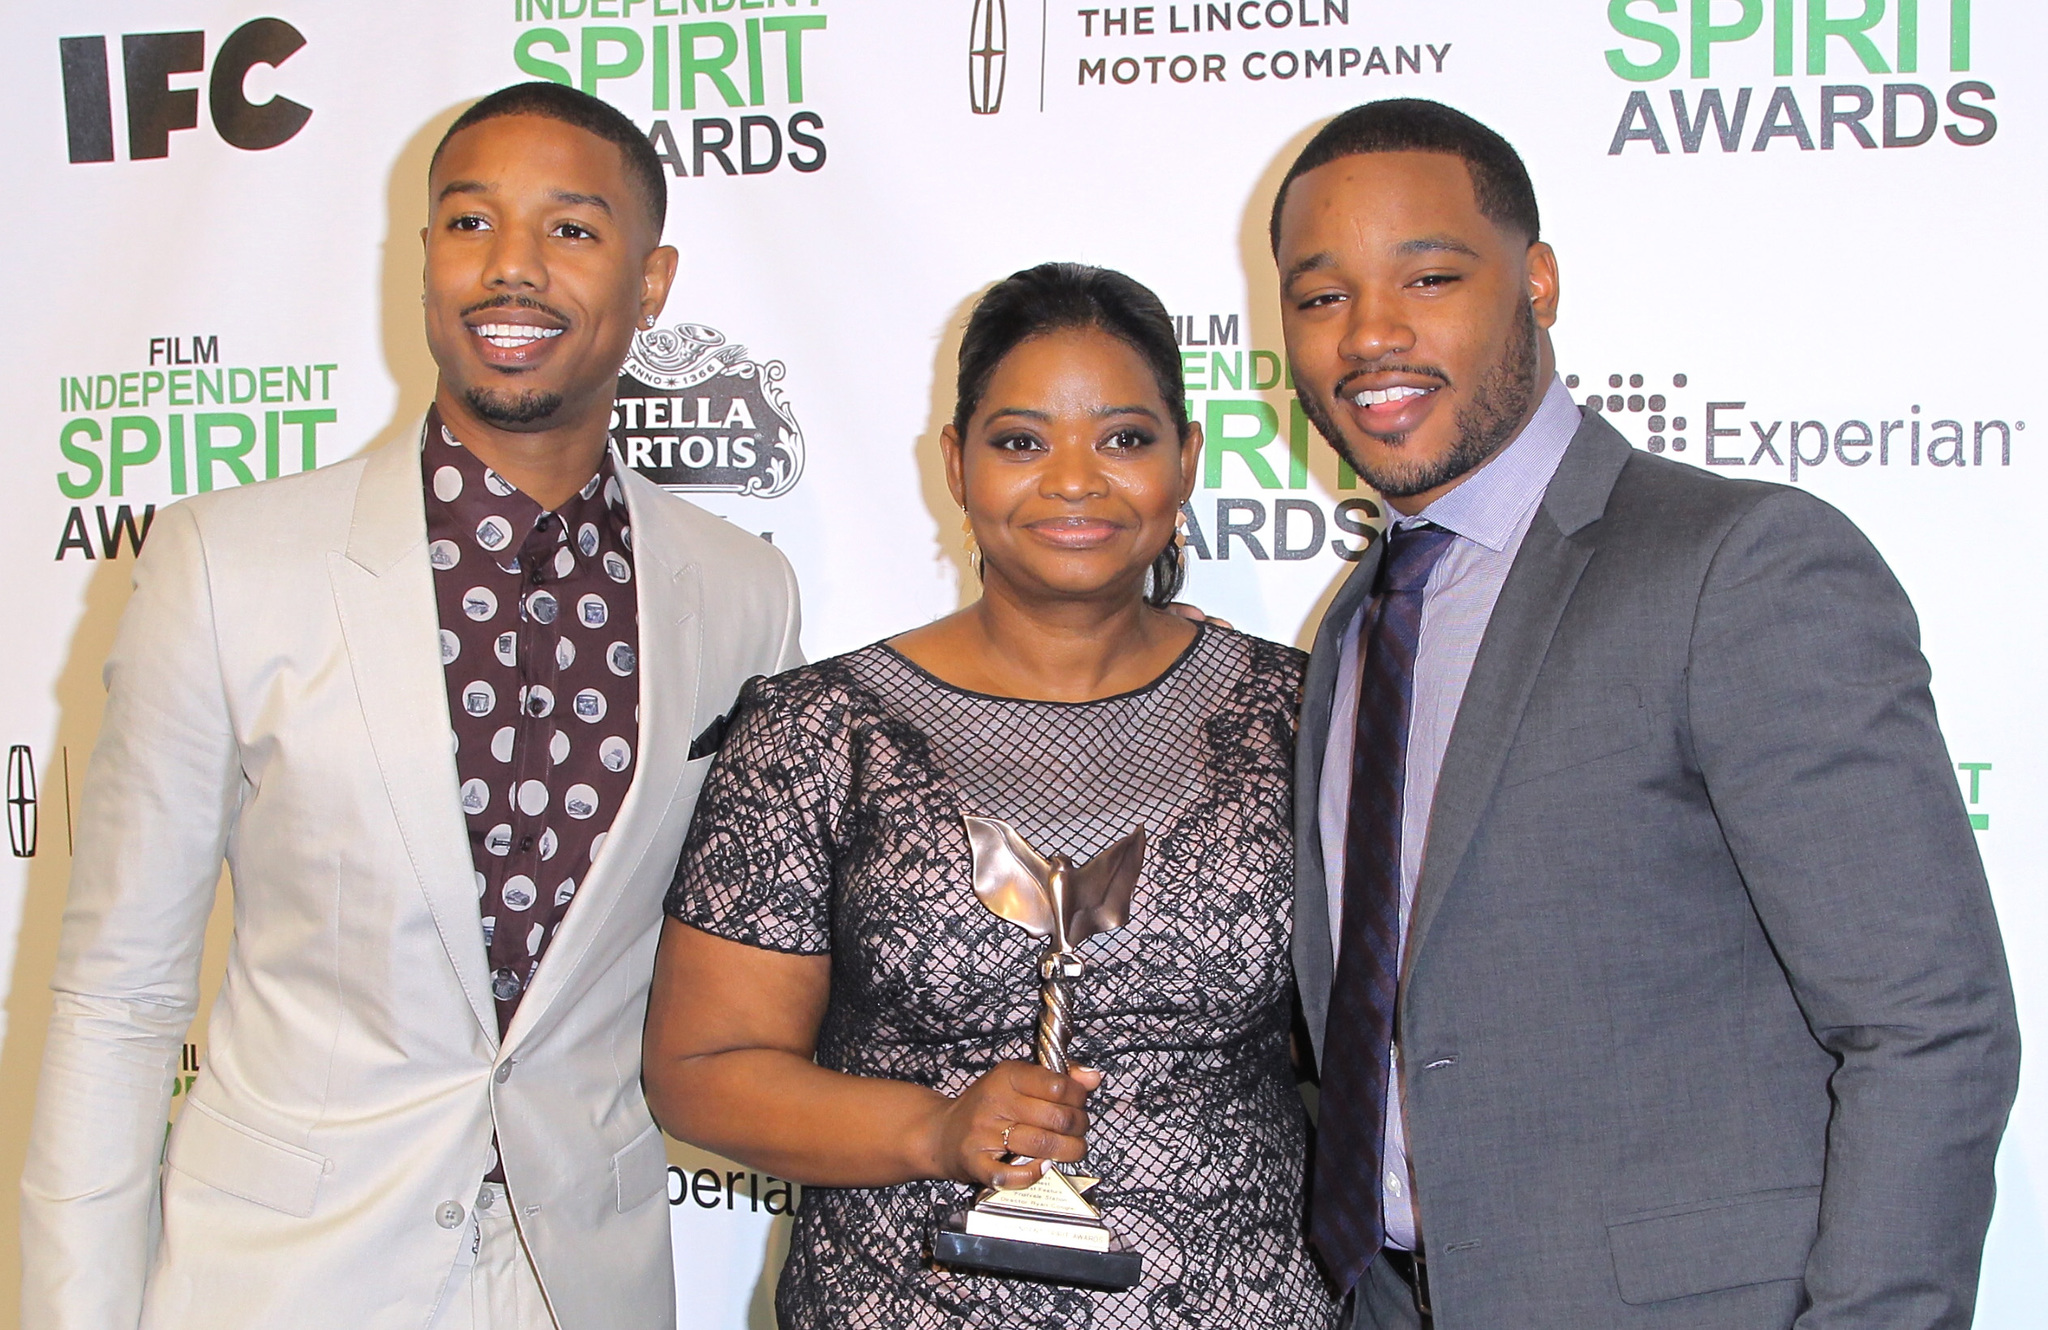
{"x":1539,"y":585}
{"x":1312,"y":947}
{"x":384,"y":592}
{"x":669,"y":597}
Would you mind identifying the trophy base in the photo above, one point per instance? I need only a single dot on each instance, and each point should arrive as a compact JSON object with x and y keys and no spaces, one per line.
{"x":1115,"y":1269}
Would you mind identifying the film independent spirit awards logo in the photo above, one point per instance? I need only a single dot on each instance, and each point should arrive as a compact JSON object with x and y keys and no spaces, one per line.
{"x":696,"y":412}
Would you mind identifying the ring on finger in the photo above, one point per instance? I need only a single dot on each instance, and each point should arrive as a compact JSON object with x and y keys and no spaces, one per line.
{"x":1006,"y":1137}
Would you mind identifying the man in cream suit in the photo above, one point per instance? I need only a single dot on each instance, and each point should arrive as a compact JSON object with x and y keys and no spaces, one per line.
{"x":1650,"y":969}
{"x":421,"y":1105}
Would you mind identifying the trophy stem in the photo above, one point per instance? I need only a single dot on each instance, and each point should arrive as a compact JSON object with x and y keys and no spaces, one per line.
{"x":1057,"y":971}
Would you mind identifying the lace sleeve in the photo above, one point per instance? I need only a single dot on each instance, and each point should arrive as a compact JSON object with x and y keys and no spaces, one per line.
{"x":758,"y":865}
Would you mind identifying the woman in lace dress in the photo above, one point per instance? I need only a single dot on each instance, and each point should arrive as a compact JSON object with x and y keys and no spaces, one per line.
{"x":832,"y":1002}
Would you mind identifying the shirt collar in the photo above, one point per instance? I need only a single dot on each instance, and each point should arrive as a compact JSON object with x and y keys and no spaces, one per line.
{"x":480,"y":494}
{"x":1489,"y":507}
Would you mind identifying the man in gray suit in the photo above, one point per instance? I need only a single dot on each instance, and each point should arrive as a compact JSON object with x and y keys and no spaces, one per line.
{"x":1647,"y":958}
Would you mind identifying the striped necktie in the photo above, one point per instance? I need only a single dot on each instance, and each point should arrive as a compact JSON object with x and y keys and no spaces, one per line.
{"x":1345,"y":1222}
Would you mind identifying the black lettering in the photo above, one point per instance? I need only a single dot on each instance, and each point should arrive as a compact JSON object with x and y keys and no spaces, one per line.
{"x":1282,"y":510}
{"x":74,"y":537}
{"x":148,"y":59}
{"x":704,"y":145}
{"x":1196,"y":540}
{"x":1830,"y":117}
{"x":1783,"y":120}
{"x":1798,"y":459}
{"x":664,"y":140}
{"x":1228,"y":526}
{"x":1844,"y":442}
{"x":1893,"y":94}
{"x":1982,"y":115}
{"x":1764,"y":444}
{"x":1716,"y":432}
{"x":1349,"y":520}
{"x":1692,"y":131}
{"x":261,"y":41}
{"x":798,"y":123}
{"x":1638,"y":121}
{"x":88,"y":100}
{"x":124,"y":523}
{"x":750,"y":164}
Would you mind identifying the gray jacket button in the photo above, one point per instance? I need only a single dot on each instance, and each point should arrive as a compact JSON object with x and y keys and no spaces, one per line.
{"x":449,"y":1215}
{"x":503,"y":1073}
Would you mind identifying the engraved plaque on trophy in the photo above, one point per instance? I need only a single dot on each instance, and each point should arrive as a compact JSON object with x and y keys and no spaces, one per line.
{"x":1048,"y":1230}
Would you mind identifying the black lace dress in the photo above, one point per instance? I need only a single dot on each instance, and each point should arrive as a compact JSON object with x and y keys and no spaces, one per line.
{"x":831,"y":825}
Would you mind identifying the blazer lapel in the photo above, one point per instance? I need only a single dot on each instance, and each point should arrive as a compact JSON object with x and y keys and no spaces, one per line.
{"x":1313,"y":953}
{"x":384,"y":594}
{"x":1539,"y":585}
{"x":669,"y":595}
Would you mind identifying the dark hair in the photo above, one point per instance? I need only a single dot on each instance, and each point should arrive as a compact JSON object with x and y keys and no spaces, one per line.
{"x":556,"y":101}
{"x":1500,"y":183}
{"x":1055,"y":297}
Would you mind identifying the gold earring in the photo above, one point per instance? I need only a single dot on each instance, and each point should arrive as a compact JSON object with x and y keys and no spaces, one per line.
{"x":973,"y":546}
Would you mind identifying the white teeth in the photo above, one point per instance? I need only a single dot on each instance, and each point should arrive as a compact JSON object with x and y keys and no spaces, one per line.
{"x":514,"y":334}
{"x":1376,"y":397}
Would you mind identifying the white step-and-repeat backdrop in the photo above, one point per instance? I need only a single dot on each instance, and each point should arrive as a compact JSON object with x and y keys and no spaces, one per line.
{"x":1800,"y":241}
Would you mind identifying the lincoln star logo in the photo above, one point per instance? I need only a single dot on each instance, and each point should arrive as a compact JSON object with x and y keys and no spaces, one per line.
{"x":21,"y":801}
{"x":988,"y":56}
{"x":695,"y":412}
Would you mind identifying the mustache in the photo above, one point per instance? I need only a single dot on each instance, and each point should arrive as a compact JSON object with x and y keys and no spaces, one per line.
{"x":1392,"y":367}
{"x":509,"y":301}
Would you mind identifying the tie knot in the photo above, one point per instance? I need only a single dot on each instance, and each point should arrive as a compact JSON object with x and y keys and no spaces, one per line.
{"x":1411,"y":555}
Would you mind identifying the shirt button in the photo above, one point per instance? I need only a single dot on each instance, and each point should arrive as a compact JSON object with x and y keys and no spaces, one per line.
{"x":449,"y":1215}
{"x":538,"y":576}
{"x":525,"y":844}
{"x":1393,"y":1183}
{"x":534,"y":706}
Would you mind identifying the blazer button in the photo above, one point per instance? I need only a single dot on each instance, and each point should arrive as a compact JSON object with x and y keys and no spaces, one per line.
{"x":503,"y":1073}
{"x":449,"y":1215}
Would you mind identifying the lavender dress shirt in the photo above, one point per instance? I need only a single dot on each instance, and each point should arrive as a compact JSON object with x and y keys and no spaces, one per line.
{"x":1488,"y":514}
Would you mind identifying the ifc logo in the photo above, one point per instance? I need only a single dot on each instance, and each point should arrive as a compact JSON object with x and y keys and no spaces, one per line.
{"x":155,"y":108}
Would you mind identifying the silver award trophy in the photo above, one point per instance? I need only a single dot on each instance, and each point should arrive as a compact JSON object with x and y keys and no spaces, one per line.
{"x":1047,"y":1230}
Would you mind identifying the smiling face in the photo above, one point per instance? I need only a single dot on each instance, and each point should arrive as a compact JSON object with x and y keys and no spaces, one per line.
{"x":541,"y":260}
{"x":1072,"y":470}
{"x":1416,"y":327}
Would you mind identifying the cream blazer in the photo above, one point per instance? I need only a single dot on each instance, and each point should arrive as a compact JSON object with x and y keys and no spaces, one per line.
{"x":275,"y":698}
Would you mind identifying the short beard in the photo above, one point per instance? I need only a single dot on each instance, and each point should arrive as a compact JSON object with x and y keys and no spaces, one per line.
{"x":1485,"y":424}
{"x":511,"y":410}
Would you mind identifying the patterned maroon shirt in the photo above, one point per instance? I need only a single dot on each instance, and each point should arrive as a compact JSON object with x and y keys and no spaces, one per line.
{"x":540,"y":640}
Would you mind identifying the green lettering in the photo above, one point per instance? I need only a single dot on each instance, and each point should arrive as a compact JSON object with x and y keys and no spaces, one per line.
{"x":1643,"y":30}
{"x":1819,"y":27}
{"x":205,"y":452}
{"x":209,"y":384}
{"x":309,"y":444}
{"x":595,"y":68}
{"x":119,"y":459}
{"x":79,"y":456}
{"x":523,"y":56}
{"x":178,"y":455}
{"x":131,"y":383}
{"x":181,"y":383}
{"x":1263,"y":382}
{"x":241,"y":385}
{"x":1229,"y":371}
{"x":1297,"y":446}
{"x":793,"y":27}
{"x":152,"y":384}
{"x":690,"y":66}
{"x":1265,"y":427}
{"x":1959,"y":35}
{"x":1909,"y":36}
{"x":1191,"y":366}
{"x":1706,"y":33}
{"x":272,"y":382}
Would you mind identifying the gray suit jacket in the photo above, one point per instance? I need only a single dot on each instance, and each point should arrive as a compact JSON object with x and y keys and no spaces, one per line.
{"x":1705,"y":1017}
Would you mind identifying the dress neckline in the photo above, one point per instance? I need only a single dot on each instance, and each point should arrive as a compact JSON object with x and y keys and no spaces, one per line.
{"x":1187,"y":653}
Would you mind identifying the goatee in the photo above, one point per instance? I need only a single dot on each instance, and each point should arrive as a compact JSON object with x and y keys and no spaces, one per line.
{"x":513,"y":409}
{"x":1485,"y":424}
